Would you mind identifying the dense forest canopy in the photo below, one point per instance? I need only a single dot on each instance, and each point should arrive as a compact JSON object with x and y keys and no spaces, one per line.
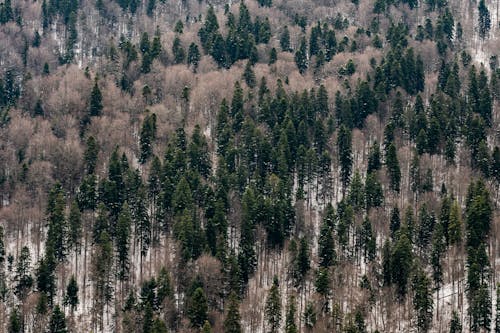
{"x":249,"y":166}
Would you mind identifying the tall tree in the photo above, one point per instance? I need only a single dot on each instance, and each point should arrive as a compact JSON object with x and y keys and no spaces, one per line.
{"x":344,"y":146}
{"x":232,"y":321}
{"x":273,"y":307}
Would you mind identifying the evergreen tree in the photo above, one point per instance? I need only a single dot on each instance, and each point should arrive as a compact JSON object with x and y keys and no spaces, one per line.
{"x":197,"y":308}
{"x":290,"y":325}
{"x":344,"y":146}
{"x":484,"y":19}
{"x":71,"y":297}
{"x":193,"y":56}
{"x":455,"y":323}
{"x":95,"y":105}
{"x":178,"y":51}
{"x":309,"y":317}
{"x":273,"y":307}
{"x":301,"y":56}
{"x":90,"y":155}
{"x":23,"y":278}
{"x":393,"y":169}
{"x":326,"y":245}
{"x":58,"y":229}
{"x":422,"y":301}
{"x":249,"y":75}
{"x":285,"y":40}
{"x":75,"y":227}
{"x":15,"y":322}
{"x":148,"y":135}
{"x":232,"y":321}
{"x":374,"y":163}
{"x":122,"y":241}
{"x":401,"y":263}
{"x":57,"y":321}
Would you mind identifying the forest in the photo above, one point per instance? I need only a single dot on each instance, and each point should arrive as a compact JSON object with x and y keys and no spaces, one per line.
{"x":263,"y":166}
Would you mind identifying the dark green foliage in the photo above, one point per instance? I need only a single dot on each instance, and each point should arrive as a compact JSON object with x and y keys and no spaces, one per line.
{"x":301,"y":56}
{"x":71,"y":297}
{"x":302,"y":262}
{"x":422,"y":300}
{"x":326,"y":245}
{"x":344,"y":146}
{"x":58,"y":227}
{"x":57,"y":321}
{"x":15,"y":322}
{"x":392,"y":163}
{"x":484,"y":19}
{"x":232,"y":321}
{"x":178,"y":51}
{"x":273,"y":307}
{"x":193,"y":56}
{"x":23,"y":279}
{"x":401,"y":264}
{"x":90,"y":155}
{"x":285,"y":40}
{"x":309,"y":316}
{"x":95,"y":105}
{"x":197,"y":308}
{"x":148,"y":135}
{"x":374,"y":195}
{"x":455,"y":323}
{"x":123,"y":229}
{"x":291,"y":309}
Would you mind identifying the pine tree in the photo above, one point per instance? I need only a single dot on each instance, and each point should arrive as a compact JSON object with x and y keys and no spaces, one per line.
{"x":122,"y":241}
{"x":344,"y":145}
{"x":374,"y":163}
{"x":148,"y":135}
{"x":23,"y":278}
{"x":102,"y":263}
{"x":422,"y":301}
{"x":249,"y":75}
{"x":232,"y":321}
{"x":95,"y":105}
{"x":273,"y":307}
{"x":285,"y":40}
{"x":90,"y":155}
{"x":455,"y":323}
{"x":71,"y":297}
{"x":401,"y":263}
{"x":193,"y":57}
{"x":290,"y":325}
{"x":326,"y":245}
{"x":178,"y":51}
{"x":75,"y":227}
{"x":15,"y":322}
{"x":301,"y":56}
{"x":484,"y":19}
{"x":309,"y":317}
{"x":57,"y":321}
{"x":393,"y":169}
{"x":302,"y":262}
{"x":58,"y":229}
{"x":197,"y":308}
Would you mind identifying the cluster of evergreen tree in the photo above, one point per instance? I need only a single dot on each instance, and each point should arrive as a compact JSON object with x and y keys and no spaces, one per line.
{"x":241,"y":40}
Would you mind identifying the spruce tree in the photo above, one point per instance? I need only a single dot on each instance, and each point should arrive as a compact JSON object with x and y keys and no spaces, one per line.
{"x":232,"y":321}
{"x":273,"y":307}
{"x":95,"y":105}
{"x":197,"y":308}
{"x":344,"y":146}
{"x":57,"y":322}
{"x":290,"y":325}
{"x":392,"y":163}
{"x":71,"y":297}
